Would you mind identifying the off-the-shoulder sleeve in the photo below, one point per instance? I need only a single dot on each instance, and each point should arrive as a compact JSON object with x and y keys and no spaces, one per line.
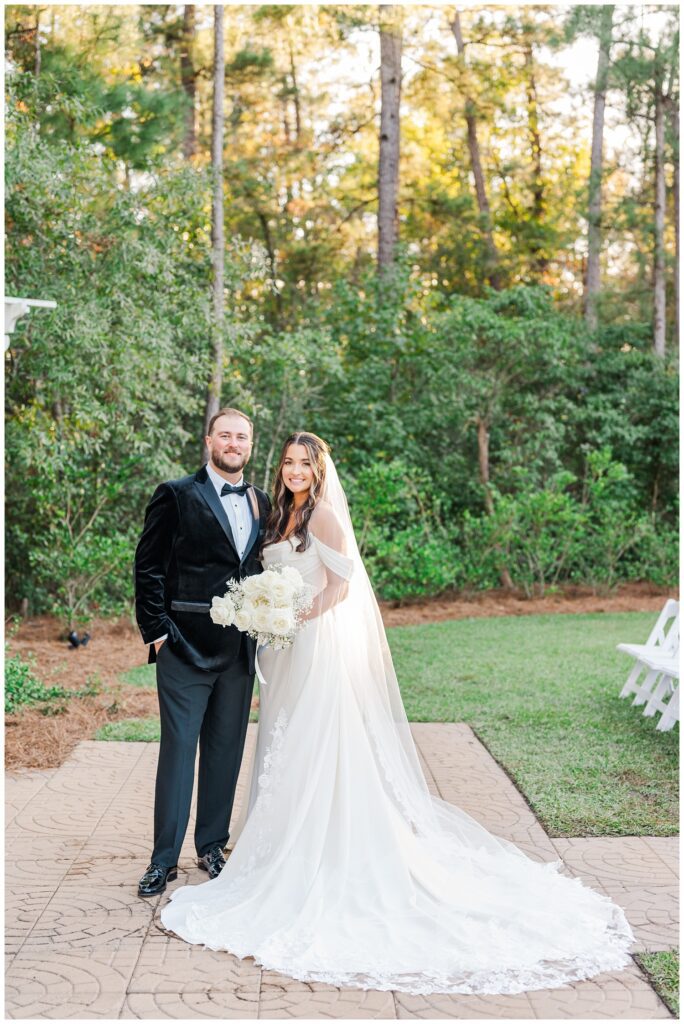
{"x":329,"y":538}
{"x":334,"y":560}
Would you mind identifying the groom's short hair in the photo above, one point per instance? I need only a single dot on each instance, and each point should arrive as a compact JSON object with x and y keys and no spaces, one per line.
{"x":228,"y":411}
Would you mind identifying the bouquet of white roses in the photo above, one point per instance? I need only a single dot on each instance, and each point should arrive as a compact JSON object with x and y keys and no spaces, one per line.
{"x":267,"y":607}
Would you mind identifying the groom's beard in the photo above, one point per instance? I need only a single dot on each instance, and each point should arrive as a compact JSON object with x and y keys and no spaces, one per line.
{"x":229,"y":462}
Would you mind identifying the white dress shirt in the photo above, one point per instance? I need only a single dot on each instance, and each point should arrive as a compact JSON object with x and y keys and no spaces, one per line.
{"x":237,"y":510}
{"x":239,"y":516}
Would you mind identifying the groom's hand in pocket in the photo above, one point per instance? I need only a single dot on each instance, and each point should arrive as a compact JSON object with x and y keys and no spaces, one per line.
{"x":159,"y":644}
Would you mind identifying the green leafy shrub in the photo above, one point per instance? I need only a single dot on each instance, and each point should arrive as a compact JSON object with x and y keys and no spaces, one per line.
{"x":612,"y":521}
{"x":655,"y":555}
{"x":405,"y":545}
{"x":23,"y":688}
{"x":480,"y":557}
{"x":593,"y":532}
{"x":542,"y":531}
{"x":410,"y":565}
{"x":21,"y":685}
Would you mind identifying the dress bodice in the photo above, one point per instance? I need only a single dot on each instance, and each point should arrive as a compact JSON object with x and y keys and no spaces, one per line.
{"x":307,"y":562}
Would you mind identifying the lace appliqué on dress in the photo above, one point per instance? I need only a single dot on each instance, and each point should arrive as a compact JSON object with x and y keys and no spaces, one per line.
{"x":260,"y":814}
{"x":197,"y":913}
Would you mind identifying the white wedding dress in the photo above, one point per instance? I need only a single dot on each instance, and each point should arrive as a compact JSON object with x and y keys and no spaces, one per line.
{"x":346,"y":870}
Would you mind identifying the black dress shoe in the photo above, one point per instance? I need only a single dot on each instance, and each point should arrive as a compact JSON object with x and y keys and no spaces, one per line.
{"x":155,"y":878}
{"x":213,"y":861}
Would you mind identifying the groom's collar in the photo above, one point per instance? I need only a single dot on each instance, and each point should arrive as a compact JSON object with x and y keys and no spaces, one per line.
{"x":217,"y":480}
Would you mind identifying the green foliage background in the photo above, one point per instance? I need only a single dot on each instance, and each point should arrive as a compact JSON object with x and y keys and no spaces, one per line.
{"x":105,"y":394}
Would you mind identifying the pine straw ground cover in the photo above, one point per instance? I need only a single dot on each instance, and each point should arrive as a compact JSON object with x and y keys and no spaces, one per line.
{"x":42,"y":736}
{"x":36,"y":739}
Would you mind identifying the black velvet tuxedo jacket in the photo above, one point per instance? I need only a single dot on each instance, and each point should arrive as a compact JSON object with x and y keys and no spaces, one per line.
{"x":185,"y":556}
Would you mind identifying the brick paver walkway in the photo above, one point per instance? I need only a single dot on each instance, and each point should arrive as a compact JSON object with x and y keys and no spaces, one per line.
{"x":80,"y":943}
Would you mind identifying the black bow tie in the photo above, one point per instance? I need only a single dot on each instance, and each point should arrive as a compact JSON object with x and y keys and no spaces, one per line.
{"x":234,"y":489}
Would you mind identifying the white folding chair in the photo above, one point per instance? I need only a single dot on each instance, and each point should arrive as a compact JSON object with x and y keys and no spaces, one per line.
{"x":670,"y":714}
{"x":665,"y":696}
{"x":663,"y":641}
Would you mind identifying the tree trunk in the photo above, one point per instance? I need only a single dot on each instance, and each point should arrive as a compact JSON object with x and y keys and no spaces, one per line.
{"x":593,"y":281}
{"x":286,"y":117}
{"x":295,"y":96}
{"x":672,"y":108}
{"x":483,"y":463}
{"x":659,"y":221}
{"x":540,"y":261}
{"x":270,"y":248}
{"x":655,"y":492}
{"x":36,"y":45}
{"x":476,"y":165}
{"x":217,"y":240}
{"x":675,"y":197}
{"x":388,"y":166}
{"x":189,"y":80}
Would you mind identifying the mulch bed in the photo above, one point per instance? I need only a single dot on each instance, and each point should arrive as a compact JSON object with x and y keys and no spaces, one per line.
{"x":573,"y":600}
{"x":34,"y":739}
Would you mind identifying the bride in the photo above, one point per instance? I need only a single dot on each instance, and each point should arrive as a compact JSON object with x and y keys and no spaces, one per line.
{"x":346,"y":870}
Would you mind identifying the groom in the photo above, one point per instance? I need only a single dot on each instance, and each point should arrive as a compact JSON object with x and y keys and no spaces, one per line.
{"x":199,"y":532}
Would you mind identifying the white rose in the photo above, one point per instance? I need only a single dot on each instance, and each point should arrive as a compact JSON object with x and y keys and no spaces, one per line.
{"x":292,"y":575}
{"x":253,"y":586}
{"x":243,"y":619}
{"x":282,"y":591}
{"x":282,"y":621}
{"x":262,"y":582}
{"x":262,"y":619}
{"x":222,"y":611}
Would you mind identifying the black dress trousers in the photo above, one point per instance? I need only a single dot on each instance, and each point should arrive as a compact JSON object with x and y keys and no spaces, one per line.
{"x":213,"y":707}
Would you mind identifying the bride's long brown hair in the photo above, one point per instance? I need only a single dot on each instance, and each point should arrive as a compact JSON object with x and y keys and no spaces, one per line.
{"x":283,"y":497}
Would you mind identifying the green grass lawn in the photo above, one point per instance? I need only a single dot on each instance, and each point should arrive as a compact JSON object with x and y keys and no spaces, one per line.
{"x":541,"y":692}
{"x":663,"y":969}
{"x":133,"y":730}
{"x":141,"y":675}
